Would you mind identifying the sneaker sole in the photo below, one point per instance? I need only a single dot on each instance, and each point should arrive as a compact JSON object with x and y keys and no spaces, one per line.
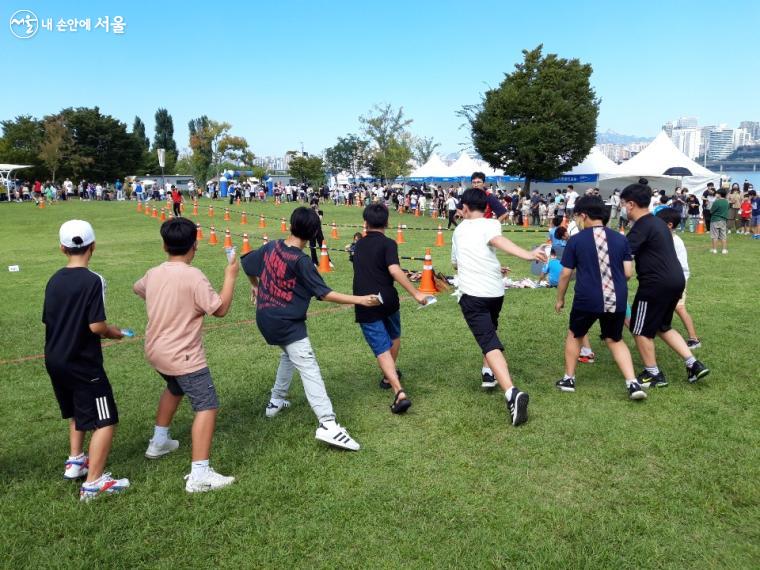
{"x":206,"y":489}
{"x":565,"y":389}
{"x":693,"y":346}
{"x":401,"y":407}
{"x":159,"y":455}
{"x":77,"y":477}
{"x":488,"y":385}
{"x":654,"y":384}
{"x":641,"y":395}
{"x":338,"y":445}
{"x":702,"y":374}
{"x":521,"y":405}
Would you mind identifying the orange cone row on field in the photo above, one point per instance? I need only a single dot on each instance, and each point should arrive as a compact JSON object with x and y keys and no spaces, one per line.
{"x":400,"y":235}
{"x":139,"y":206}
{"x":262,"y":222}
{"x":324,"y":260}
{"x":427,"y":285}
{"x":283,"y":227}
{"x":243,"y":219}
{"x":212,"y":240}
{"x":227,"y":238}
{"x":246,"y":245}
{"x":334,"y":231}
{"x":198,"y":232}
{"x":439,"y":238}
{"x":227,"y":215}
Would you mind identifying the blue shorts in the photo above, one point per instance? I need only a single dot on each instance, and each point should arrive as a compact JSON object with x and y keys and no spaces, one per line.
{"x":381,"y":334}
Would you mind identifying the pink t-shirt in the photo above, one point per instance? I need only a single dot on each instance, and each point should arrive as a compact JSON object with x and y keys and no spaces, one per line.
{"x":177,"y":297}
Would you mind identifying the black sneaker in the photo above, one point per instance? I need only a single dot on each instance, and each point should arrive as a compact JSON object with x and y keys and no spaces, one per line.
{"x":648,"y":380}
{"x":636,"y":392}
{"x":566,"y":384}
{"x":693,"y":343}
{"x":518,"y":407}
{"x":696,"y":371}
{"x":488,"y":381}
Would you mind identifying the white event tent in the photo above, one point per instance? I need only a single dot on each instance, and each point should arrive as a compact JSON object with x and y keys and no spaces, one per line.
{"x":434,"y":168}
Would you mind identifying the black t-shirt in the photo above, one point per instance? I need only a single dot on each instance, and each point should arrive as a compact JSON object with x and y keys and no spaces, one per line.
{"x":287,"y":282}
{"x":657,"y":265}
{"x":373,"y":254}
{"x":74,"y":299}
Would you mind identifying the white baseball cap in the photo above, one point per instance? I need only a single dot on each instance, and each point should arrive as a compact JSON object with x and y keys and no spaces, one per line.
{"x":76,"y":233}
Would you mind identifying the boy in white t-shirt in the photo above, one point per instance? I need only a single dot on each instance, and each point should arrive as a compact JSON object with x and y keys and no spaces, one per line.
{"x":479,"y":278}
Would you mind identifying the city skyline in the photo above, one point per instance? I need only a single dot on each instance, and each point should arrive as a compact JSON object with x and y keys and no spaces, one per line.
{"x":304,"y":73}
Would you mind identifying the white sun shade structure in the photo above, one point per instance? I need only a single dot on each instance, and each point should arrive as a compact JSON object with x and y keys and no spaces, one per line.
{"x":6,"y":178}
{"x":434,"y":169}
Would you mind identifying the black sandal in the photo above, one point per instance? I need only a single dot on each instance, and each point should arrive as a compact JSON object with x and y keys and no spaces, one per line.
{"x":385,"y":385}
{"x":399,"y":406}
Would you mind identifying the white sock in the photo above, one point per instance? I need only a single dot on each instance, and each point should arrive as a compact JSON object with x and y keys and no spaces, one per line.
{"x":160,"y":434}
{"x":199,"y":467}
{"x":509,"y":392}
{"x":568,"y":377}
{"x":80,"y":456}
{"x":486,"y":370}
{"x":652,"y":369}
{"x":585,"y":351}
{"x":689,"y":361}
{"x":630,"y":381}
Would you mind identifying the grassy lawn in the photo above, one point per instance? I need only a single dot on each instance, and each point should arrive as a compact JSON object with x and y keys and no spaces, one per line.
{"x":591,"y":481}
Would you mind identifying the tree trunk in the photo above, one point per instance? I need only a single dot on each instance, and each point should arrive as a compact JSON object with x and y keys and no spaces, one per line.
{"x":526,"y":189}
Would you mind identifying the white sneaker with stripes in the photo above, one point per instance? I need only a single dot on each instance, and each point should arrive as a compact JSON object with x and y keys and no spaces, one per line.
{"x":332,"y":433}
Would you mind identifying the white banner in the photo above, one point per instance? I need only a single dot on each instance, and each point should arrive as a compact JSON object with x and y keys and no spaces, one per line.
{"x":162,"y":157}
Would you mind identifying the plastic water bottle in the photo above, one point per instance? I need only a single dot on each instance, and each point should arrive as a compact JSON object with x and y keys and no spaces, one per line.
{"x":129,"y":333}
{"x":230,"y":251}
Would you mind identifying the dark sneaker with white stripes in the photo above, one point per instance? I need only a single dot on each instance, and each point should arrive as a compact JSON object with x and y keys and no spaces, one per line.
{"x":518,"y":407}
{"x":566,"y":384}
{"x":648,"y":380}
{"x":696,"y":371}
{"x":332,"y":433}
{"x":488,"y":382}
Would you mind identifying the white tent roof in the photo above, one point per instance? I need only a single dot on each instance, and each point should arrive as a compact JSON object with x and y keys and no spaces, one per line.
{"x":464,"y":166}
{"x":660,"y":155}
{"x":433,"y":168}
{"x":9,"y":167}
{"x":595,"y":163}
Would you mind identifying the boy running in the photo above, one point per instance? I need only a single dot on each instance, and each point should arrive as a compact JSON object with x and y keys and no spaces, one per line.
{"x":482,"y":290}
{"x":284,"y":280}
{"x":75,"y":320}
{"x":602,"y":262}
{"x":661,"y":283}
{"x":376,"y":267}
{"x":177,"y":297}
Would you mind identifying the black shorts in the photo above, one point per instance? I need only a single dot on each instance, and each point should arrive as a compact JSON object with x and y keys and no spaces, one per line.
{"x":652,"y":314}
{"x":89,"y":402}
{"x":482,"y":316}
{"x":611,"y":324}
{"x":198,"y":386}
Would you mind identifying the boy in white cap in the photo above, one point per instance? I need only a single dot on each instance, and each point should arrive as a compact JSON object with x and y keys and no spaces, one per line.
{"x":75,"y":321}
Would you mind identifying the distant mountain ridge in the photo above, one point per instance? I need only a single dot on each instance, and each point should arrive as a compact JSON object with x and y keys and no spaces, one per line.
{"x":611,"y":137}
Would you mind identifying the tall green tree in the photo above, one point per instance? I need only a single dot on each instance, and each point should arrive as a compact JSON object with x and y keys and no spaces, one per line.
{"x":201,"y":146}
{"x":350,"y":154}
{"x":310,"y":169}
{"x":392,"y":162}
{"x":138,"y":131}
{"x":384,"y":125}
{"x":540,"y":121}
{"x":54,"y":145}
{"x":164,"y":138}
{"x":423,"y":148}
{"x":20,"y":144}
{"x":235,"y":150}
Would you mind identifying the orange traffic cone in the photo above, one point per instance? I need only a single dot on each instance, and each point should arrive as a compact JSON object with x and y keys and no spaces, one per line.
{"x":226,"y":214}
{"x":163,"y":215}
{"x":417,"y":211}
{"x":246,"y":244}
{"x":42,"y":204}
{"x":364,"y":229}
{"x":701,"y":226}
{"x":434,"y":213}
{"x":400,"y":235}
{"x":198,"y":232}
{"x":195,"y":208}
{"x":439,"y":238}
{"x":334,"y":232}
{"x":212,"y":237}
{"x":324,"y":260}
{"x":182,"y":207}
{"x":525,"y":221}
{"x":210,"y":211}
{"x":283,"y":227}
{"x":262,"y":222}
{"x":237,"y":202}
{"x":155,"y":213}
{"x":427,"y":285}
{"x":227,"y":238}
{"x":243,"y":219}
{"x":139,"y":206}
{"x":147,"y":210}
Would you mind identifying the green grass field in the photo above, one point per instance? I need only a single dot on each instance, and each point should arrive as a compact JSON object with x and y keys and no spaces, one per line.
{"x":593,"y":480}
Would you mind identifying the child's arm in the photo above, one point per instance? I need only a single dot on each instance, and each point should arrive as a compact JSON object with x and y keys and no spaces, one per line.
{"x":564,"y":281}
{"x":343,"y":299}
{"x":628,"y":269}
{"x":228,"y":289}
{"x":508,"y":246}
{"x":104,"y":330}
{"x":139,"y":288}
{"x":400,"y":278}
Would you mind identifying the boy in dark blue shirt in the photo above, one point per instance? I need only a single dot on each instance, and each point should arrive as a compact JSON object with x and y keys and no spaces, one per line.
{"x":602,"y":262}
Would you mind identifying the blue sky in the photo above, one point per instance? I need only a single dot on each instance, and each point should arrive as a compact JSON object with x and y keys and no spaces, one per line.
{"x":285,"y":72}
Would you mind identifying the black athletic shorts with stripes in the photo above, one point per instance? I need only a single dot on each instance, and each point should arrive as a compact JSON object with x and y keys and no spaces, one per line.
{"x":652,"y":313}
{"x":482,"y":316}
{"x":86,"y":398}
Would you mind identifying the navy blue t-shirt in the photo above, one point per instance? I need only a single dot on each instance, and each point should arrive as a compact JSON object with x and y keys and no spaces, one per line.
{"x":287,"y":282}
{"x":581,"y":254}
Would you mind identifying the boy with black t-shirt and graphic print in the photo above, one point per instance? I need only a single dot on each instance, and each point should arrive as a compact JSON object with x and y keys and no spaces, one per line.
{"x":284,"y":280}
{"x":661,"y":283}
{"x":75,"y":321}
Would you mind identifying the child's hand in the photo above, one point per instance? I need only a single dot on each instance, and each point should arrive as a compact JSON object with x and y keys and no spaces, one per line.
{"x":369,"y":301}
{"x":505,"y":271}
{"x":232,"y":268}
{"x":539,"y":254}
{"x":559,"y":305}
{"x":421,"y":298}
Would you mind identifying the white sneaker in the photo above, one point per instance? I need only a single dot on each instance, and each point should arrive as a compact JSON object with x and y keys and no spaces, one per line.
{"x":332,"y":433}
{"x":275,"y":406}
{"x":76,"y":468}
{"x":724,"y":252}
{"x":713,"y":251}
{"x":208,"y":481}
{"x":106,"y":485}
{"x":156,"y":450}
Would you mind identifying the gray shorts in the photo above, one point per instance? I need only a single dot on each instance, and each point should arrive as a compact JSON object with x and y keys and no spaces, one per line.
{"x":197,"y":386}
{"x":718,"y":230}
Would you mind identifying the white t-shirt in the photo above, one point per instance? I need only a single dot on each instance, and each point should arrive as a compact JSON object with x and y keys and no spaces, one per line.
{"x":681,"y":254}
{"x":570,"y":199}
{"x":478,"y":269}
{"x":451,"y":203}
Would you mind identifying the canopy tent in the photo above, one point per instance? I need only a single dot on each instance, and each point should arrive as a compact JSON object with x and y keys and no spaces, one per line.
{"x":6,"y":178}
{"x":658,"y":157}
{"x":433,"y":169}
{"x":595,"y":163}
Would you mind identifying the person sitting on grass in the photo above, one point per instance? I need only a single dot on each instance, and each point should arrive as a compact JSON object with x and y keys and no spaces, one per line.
{"x":673,"y":219}
{"x":376,"y":268}
{"x":479,"y":277}
{"x":602,"y":263}
{"x":75,"y":320}
{"x":177,"y":297}
{"x":283,"y":282}
{"x":551,"y":270}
